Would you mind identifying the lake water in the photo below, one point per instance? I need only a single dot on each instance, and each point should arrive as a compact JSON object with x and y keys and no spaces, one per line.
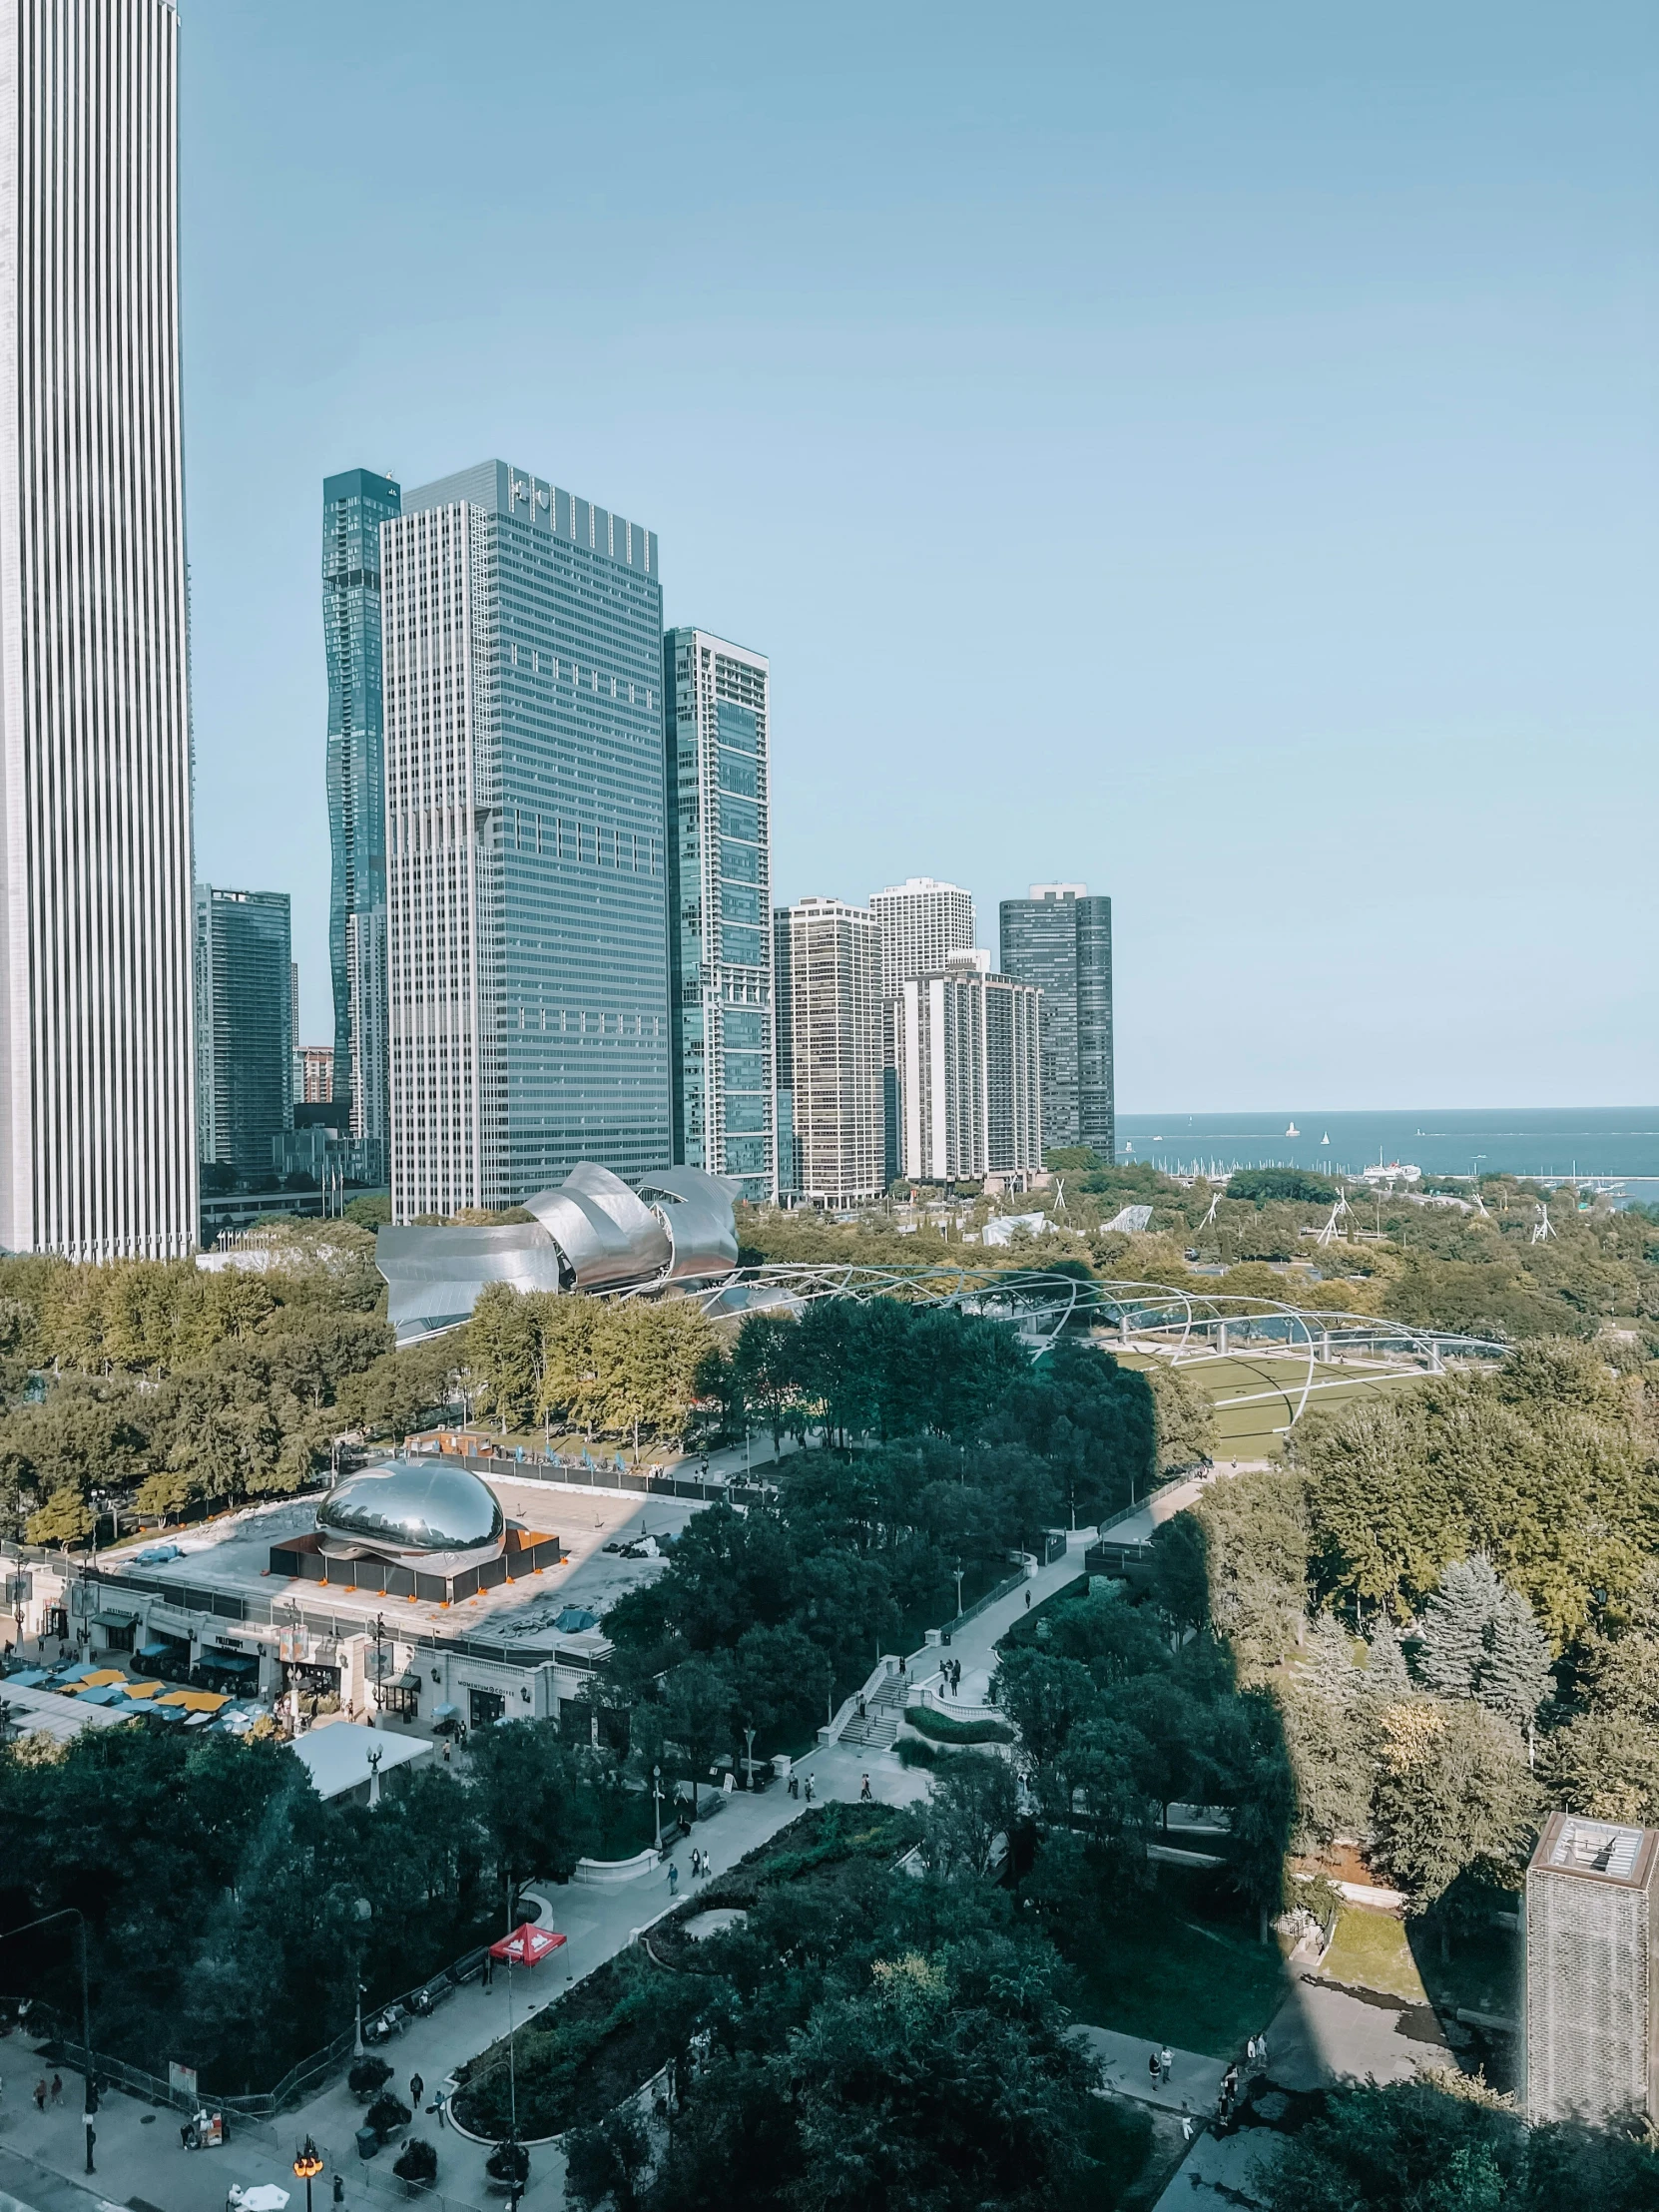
{"x":1544,"y":1141}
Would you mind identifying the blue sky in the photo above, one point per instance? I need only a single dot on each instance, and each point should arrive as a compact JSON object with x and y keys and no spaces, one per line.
{"x":1206,"y":452}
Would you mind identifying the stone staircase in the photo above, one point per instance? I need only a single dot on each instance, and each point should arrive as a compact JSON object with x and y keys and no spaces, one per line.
{"x":879,"y":1730}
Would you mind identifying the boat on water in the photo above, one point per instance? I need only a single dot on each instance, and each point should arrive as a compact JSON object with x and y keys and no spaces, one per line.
{"x":1326,"y":1139}
{"x":1293,"y":1131}
{"x":1393,"y":1170}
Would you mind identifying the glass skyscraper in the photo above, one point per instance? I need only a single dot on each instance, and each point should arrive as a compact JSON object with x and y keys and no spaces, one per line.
{"x":719,"y":907}
{"x":244,"y":1028}
{"x":1061,"y":939}
{"x":526,"y":862}
{"x":354,"y":508}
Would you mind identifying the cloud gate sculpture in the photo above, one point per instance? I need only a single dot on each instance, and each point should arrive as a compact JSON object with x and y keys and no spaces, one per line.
{"x":416,"y":1513}
{"x":590,"y":1232}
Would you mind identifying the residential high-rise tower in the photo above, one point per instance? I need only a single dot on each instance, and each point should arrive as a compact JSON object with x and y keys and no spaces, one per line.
{"x":717,"y":710}
{"x":527,"y":918}
{"x":969,"y":1073}
{"x":244,"y":1028}
{"x":97,"y":1079}
{"x":922,"y":923}
{"x":1062,"y":940}
{"x":829,"y":958}
{"x":354,"y":508}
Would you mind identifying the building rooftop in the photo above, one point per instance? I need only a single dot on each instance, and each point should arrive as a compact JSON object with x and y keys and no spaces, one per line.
{"x":1602,"y":1851}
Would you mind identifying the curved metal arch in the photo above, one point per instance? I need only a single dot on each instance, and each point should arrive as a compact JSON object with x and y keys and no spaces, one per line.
{"x":1047,"y":1303}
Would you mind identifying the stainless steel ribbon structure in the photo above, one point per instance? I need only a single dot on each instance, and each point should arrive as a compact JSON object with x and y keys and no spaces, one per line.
{"x":590,"y":1232}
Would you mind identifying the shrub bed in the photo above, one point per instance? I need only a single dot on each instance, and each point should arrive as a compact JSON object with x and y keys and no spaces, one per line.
{"x":945,"y":1728}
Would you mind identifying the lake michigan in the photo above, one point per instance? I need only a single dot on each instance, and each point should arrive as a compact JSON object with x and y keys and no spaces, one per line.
{"x":1549,"y":1141}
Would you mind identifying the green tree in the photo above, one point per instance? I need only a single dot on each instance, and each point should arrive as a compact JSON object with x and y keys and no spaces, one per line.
{"x":1452,"y":1792}
{"x":535,"y":1802}
{"x":1404,"y":2148}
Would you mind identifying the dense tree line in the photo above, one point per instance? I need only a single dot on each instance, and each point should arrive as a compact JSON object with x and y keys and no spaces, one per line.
{"x":944,"y":1447}
{"x":173,"y":1388}
{"x":627,"y":1368}
{"x":233,"y":1911}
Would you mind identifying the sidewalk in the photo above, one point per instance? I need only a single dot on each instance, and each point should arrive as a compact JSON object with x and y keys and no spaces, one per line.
{"x":1194,"y":2084}
{"x":1164,"y":1504}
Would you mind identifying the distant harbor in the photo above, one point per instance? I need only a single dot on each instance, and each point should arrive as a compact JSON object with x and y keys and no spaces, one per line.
{"x":1602,"y":1144}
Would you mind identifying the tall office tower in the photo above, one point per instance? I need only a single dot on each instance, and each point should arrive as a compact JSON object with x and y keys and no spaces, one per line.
{"x":717,"y":709}
{"x":97,"y":1078}
{"x":1061,"y":939}
{"x":830,"y":1050}
{"x":527,"y":912}
{"x":244,"y":1028}
{"x":970,"y":1072}
{"x":354,"y":508}
{"x":922,"y":923}
{"x":1593,"y":1977}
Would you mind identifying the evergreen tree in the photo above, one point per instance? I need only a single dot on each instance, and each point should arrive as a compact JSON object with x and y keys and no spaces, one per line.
{"x":1516,"y":1679}
{"x":1331,"y":1667}
{"x":1386,"y":1673}
{"x":1453,"y":1650}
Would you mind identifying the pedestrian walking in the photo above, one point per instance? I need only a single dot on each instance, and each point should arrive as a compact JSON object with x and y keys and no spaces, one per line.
{"x":673,"y":1880}
{"x":860,"y":1705}
{"x":340,"y":2185}
{"x":1155,"y":2070}
{"x":447,"y":1748}
{"x":489,"y":1968}
{"x":808,"y":1789}
{"x":795,"y":1785}
{"x":864,"y":1794}
{"x":1028,"y":1601}
{"x":40,"y":2094}
{"x":1250,"y":2053}
{"x":1166,"y":2062}
{"x":1262,"y":2051}
{"x":418,"y":2089}
{"x":57,"y":2089}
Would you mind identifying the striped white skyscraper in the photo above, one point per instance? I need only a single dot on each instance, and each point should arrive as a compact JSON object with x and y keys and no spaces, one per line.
{"x":97,"y":1149}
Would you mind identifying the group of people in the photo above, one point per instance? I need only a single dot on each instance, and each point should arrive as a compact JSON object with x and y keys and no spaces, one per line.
{"x":1160,"y":2066}
{"x":951,"y":1670}
{"x":44,"y":2095}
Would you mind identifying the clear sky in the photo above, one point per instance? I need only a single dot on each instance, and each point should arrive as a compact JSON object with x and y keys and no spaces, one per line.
{"x":1208,"y":452}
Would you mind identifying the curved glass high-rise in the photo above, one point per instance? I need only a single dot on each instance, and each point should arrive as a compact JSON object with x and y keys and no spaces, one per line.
{"x":355,"y":505}
{"x":97,"y":1081}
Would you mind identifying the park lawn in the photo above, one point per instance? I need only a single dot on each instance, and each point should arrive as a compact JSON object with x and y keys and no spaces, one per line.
{"x":1372,"y":1950}
{"x":1162,"y":1974}
{"x":1252,"y":1431}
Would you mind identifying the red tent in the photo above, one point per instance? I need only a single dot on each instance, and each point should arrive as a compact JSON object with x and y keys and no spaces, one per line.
{"x":526,"y":1946}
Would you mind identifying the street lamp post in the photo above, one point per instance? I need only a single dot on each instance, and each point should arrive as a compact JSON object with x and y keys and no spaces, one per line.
{"x":308,"y":2164}
{"x":657,"y":1804}
{"x":749,"y":1756}
{"x":956,"y":1571}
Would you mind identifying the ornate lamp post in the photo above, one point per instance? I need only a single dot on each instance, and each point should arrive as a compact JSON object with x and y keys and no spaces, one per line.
{"x":657,"y":1804}
{"x":749,"y":1757}
{"x":308,"y":2164}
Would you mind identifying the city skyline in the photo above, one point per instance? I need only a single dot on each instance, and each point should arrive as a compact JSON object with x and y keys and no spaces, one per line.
{"x":1322,"y":402}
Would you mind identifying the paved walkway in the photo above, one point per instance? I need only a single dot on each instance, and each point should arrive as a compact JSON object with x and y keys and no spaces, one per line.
{"x":1194,"y":2083}
{"x":1164,"y":1504}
